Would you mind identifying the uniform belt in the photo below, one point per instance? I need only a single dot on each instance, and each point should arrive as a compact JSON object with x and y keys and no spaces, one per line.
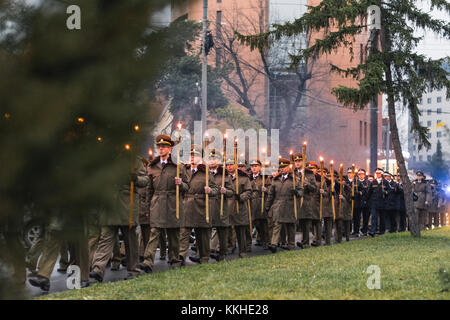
{"x":165,"y":192}
{"x":196,"y":196}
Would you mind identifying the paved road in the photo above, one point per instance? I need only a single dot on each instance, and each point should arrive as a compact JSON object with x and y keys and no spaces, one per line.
{"x":58,"y":279}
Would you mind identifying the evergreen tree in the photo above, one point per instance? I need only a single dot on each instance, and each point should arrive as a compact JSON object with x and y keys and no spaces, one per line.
{"x":396,"y":70}
{"x":438,"y":167}
{"x":70,"y":101}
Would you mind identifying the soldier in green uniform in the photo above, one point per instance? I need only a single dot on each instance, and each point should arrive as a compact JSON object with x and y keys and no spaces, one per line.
{"x":423,"y":192}
{"x":194,"y":205}
{"x":306,"y":210}
{"x":281,"y":200}
{"x":162,"y":184}
{"x":316,"y":216}
{"x":220,"y":221}
{"x":62,"y":229}
{"x":242,"y":166}
{"x":238,"y":207}
{"x":343,"y":209}
{"x":259,"y":215}
{"x":327,"y":213}
{"x":112,"y":222}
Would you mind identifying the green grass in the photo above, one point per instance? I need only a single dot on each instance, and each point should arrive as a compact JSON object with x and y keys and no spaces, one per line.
{"x":409,"y":270}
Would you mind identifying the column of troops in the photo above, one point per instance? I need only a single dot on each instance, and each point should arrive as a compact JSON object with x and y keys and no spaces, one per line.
{"x":304,"y":197}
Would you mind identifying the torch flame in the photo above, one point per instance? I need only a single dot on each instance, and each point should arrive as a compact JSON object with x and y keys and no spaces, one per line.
{"x":321,"y":159}
{"x":127,"y":146}
{"x":291,"y":152}
{"x":150,"y":152}
{"x":305,"y":142}
{"x":332,"y":162}
{"x":264,"y":150}
{"x":225,"y":136}
{"x":179,"y":125}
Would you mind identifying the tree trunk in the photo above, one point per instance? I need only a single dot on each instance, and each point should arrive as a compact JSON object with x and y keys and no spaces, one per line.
{"x":407,"y":185}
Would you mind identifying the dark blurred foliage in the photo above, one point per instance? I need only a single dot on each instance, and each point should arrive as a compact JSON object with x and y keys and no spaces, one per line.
{"x":69,"y":101}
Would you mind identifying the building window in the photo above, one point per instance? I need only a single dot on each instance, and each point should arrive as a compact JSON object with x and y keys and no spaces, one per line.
{"x":420,"y":100}
{"x":365,"y":133}
{"x":219,"y":22}
{"x":438,"y":134}
{"x":429,"y":158}
{"x":428,"y":100}
{"x":439,"y":99}
{"x":429,"y":123}
{"x":219,"y":1}
{"x":429,"y":112}
{"x":438,"y":121}
{"x":439,"y":110}
{"x":420,"y":158}
{"x":360,"y":132}
{"x":414,"y":159}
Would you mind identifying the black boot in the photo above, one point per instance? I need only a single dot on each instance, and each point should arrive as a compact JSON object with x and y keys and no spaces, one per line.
{"x":40,"y":282}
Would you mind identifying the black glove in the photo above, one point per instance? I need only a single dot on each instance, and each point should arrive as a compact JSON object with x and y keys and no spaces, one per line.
{"x":415,"y":196}
{"x":133,"y":177}
{"x":294,"y":192}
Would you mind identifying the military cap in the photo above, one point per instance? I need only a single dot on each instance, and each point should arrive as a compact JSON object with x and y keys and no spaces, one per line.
{"x":196,"y":150}
{"x":164,"y":139}
{"x":283,"y":162}
{"x":312,"y":164}
{"x":241,"y":162}
{"x":379,"y":170}
{"x":230,"y":161}
{"x":349,"y":170}
{"x":386,"y":173}
{"x":420,"y":173}
{"x":297,"y":156}
{"x":255,"y":161}
{"x":361,"y":171}
{"x":324,"y":169}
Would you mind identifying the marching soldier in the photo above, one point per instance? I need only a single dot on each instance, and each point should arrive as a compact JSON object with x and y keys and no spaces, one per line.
{"x":443,"y":205}
{"x":361,"y":208}
{"x":433,"y":215}
{"x":401,"y":206}
{"x":327,"y":213}
{"x":343,"y":217}
{"x":238,"y":207}
{"x":390,"y":207}
{"x":306,"y":211}
{"x":316,"y":219}
{"x":281,"y":200}
{"x":378,"y":190}
{"x":259,"y":214}
{"x":220,"y":220}
{"x":112,"y":222}
{"x":194,"y":206}
{"x":242,"y":166}
{"x":162,"y":197}
{"x":423,"y":192}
